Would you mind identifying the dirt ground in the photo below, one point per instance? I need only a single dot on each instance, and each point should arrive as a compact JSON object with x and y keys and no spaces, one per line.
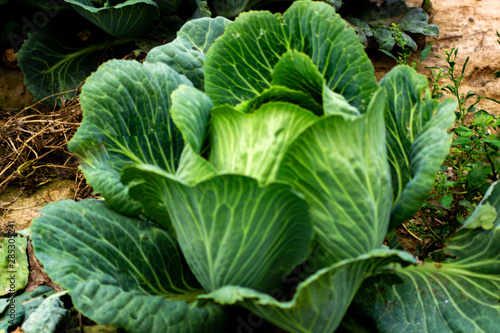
{"x":470,"y":26}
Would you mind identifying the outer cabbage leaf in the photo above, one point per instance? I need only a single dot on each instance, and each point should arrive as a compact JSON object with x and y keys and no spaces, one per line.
{"x":46,"y":317}
{"x":120,"y":271}
{"x":340,"y":166}
{"x":126,"y":120}
{"x":417,"y":140}
{"x":131,"y":18}
{"x":231,"y":231}
{"x":17,"y":266}
{"x":55,"y":64}
{"x":253,"y":144}
{"x":240,"y":64}
{"x":186,"y":54}
{"x":321,"y":301}
{"x":458,"y":296}
{"x":228,"y":8}
{"x":23,"y":304}
{"x":169,"y":7}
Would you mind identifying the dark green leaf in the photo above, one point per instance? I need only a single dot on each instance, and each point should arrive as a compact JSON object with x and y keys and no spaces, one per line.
{"x":416,"y":21}
{"x":54,"y":62}
{"x":170,"y":7}
{"x":132,"y":126}
{"x":461,"y":141}
{"x":425,"y":52}
{"x":476,"y":177}
{"x":495,"y":144}
{"x":446,"y":200}
{"x":464,"y":131}
{"x":228,"y":8}
{"x":14,"y":309}
{"x":186,"y":54}
{"x":131,"y":18}
{"x":120,"y":271}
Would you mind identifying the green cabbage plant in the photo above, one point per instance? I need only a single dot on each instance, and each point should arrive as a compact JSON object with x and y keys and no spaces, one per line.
{"x":269,"y":184}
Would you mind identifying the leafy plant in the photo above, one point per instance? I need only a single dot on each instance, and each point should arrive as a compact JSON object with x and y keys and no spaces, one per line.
{"x":75,"y":36}
{"x":292,"y":154}
{"x":473,"y":162}
{"x":374,"y":21}
{"x":406,"y":52}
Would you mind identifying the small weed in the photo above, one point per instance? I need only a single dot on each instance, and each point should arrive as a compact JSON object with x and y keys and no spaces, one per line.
{"x":474,"y":161}
{"x":404,"y":55}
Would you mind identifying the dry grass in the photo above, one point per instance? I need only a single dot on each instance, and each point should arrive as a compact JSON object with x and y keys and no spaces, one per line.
{"x":33,"y":147}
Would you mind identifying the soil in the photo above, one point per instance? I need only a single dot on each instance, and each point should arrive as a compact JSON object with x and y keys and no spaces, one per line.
{"x":470,"y":26}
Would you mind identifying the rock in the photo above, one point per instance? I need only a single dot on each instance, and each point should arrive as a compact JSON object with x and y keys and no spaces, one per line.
{"x":13,"y":93}
{"x":23,"y":209}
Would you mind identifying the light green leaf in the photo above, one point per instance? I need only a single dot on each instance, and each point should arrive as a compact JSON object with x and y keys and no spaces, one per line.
{"x":336,"y":104}
{"x":457,"y":296}
{"x":55,"y":62}
{"x":281,"y":94}
{"x":13,"y":264}
{"x":131,"y":18}
{"x":240,"y":64}
{"x":253,"y":144}
{"x":190,"y":112}
{"x":296,"y":71}
{"x":126,"y":120}
{"x":417,"y":140}
{"x":13,"y":310}
{"x":186,"y":53}
{"x":340,"y":167}
{"x":231,"y":231}
{"x":193,"y":168}
{"x":46,"y":317}
{"x":320,"y":302}
{"x":119,"y":270}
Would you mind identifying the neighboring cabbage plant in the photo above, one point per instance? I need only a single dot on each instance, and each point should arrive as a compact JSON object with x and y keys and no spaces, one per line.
{"x":375,"y":22}
{"x":77,"y":35}
{"x":265,"y":153}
